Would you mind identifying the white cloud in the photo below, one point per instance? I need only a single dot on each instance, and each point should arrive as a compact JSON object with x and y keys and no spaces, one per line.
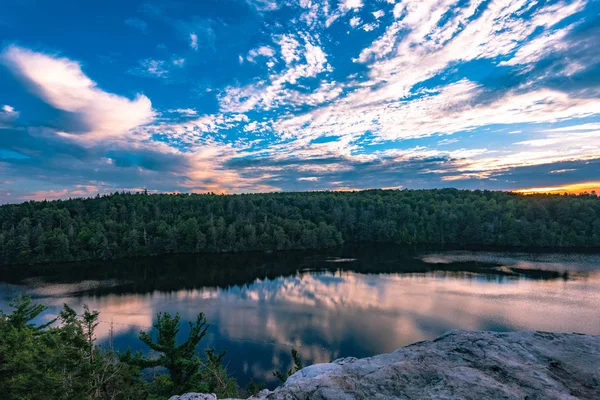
{"x":290,"y":48}
{"x":355,"y":21}
{"x":8,"y":110}
{"x":178,"y":62}
{"x":419,"y":44}
{"x":194,"y":41}
{"x":202,"y":166}
{"x":398,"y":10}
{"x":378,"y":14}
{"x":257,"y":127}
{"x":537,"y":48}
{"x":262,"y":51}
{"x":184,"y":111}
{"x":7,"y":114}
{"x":369,"y":27}
{"x":449,"y":109}
{"x":61,"y":83}
{"x":576,"y":128}
{"x":193,"y":131}
{"x":417,"y":47}
{"x":265,"y":51}
{"x":351,"y":4}
{"x":152,"y":68}
{"x":264,"y":5}
{"x":301,"y":62}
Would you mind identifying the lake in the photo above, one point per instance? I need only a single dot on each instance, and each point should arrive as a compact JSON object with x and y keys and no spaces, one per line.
{"x":351,"y":301}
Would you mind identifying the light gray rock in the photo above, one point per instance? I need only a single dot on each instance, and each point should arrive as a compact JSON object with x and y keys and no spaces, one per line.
{"x":194,"y":396}
{"x":459,"y":365}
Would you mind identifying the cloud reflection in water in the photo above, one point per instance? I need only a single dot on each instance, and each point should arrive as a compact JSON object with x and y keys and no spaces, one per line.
{"x":343,"y":312}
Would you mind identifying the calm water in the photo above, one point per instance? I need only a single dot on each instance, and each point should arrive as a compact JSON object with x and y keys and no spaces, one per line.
{"x":353,"y":301}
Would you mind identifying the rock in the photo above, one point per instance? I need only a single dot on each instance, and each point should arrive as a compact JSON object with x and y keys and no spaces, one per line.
{"x":459,"y":365}
{"x":195,"y":396}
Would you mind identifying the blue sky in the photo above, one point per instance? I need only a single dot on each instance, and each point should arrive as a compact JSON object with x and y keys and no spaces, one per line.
{"x":270,"y":95}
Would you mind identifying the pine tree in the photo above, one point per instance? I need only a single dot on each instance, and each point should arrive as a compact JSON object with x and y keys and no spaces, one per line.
{"x":180,"y":360}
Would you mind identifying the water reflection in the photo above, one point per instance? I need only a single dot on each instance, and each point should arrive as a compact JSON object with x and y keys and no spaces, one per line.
{"x":343,"y":302}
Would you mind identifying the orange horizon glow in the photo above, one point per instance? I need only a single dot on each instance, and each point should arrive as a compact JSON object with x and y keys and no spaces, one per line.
{"x":572,"y":188}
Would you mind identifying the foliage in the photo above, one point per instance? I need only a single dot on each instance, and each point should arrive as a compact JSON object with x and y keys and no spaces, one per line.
{"x":179,"y":360}
{"x":125,"y":225}
{"x":297,"y":366}
{"x":44,"y":362}
{"x":187,"y":371}
{"x":63,"y":361}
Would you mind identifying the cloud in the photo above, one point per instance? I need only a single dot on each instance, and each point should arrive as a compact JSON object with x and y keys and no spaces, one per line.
{"x":262,"y":51}
{"x":184,"y":111}
{"x":54,"y":163}
{"x":8,"y":109}
{"x":307,"y":60}
{"x":351,"y":4}
{"x":264,"y":5}
{"x":53,"y":194}
{"x":378,"y":14}
{"x":137,"y":23}
{"x":8,"y":114}
{"x":355,"y":21}
{"x":422,"y":44}
{"x":538,"y":48}
{"x":178,"y":62}
{"x":61,"y":83}
{"x":369,"y":27}
{"x":194,"y":41}
{"x":153,"y":68}
{"x":429,"y":97}
{"x":447,"y":109}
{"x":198,"y":32}
{"x":192,"y":132}
{"x":290,"y":47}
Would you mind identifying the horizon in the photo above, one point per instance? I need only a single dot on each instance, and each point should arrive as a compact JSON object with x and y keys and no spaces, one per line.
{"x":255,"y":96}
{"x":557,"y":191}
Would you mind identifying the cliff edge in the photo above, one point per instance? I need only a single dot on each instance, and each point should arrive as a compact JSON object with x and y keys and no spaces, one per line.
{"x":457,"y":365}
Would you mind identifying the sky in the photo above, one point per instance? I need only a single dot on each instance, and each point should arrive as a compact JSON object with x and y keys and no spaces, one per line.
{"x":236,"y":96}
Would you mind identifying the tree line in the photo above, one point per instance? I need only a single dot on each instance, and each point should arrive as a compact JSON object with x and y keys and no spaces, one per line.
{"x":129,"y":225}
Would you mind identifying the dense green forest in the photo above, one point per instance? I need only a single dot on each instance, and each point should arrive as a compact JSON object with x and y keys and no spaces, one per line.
{"x":125,"y":224}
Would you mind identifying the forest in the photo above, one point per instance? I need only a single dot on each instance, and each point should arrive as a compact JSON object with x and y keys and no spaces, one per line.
{"x":141,"y":224}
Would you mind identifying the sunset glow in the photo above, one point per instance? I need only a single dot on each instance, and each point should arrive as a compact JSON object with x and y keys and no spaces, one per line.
{"x":574,"y":188}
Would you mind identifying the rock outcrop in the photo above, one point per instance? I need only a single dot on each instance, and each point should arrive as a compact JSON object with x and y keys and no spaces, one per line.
{"x":459,"y":365}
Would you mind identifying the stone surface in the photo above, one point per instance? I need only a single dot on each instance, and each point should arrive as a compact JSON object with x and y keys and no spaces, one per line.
{"x":194,"y":396}
{"x":460,"y":365}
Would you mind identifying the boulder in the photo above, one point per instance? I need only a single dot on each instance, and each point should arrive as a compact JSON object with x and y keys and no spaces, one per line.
{"x":459,"y":365}
{"x":194,"y":396}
